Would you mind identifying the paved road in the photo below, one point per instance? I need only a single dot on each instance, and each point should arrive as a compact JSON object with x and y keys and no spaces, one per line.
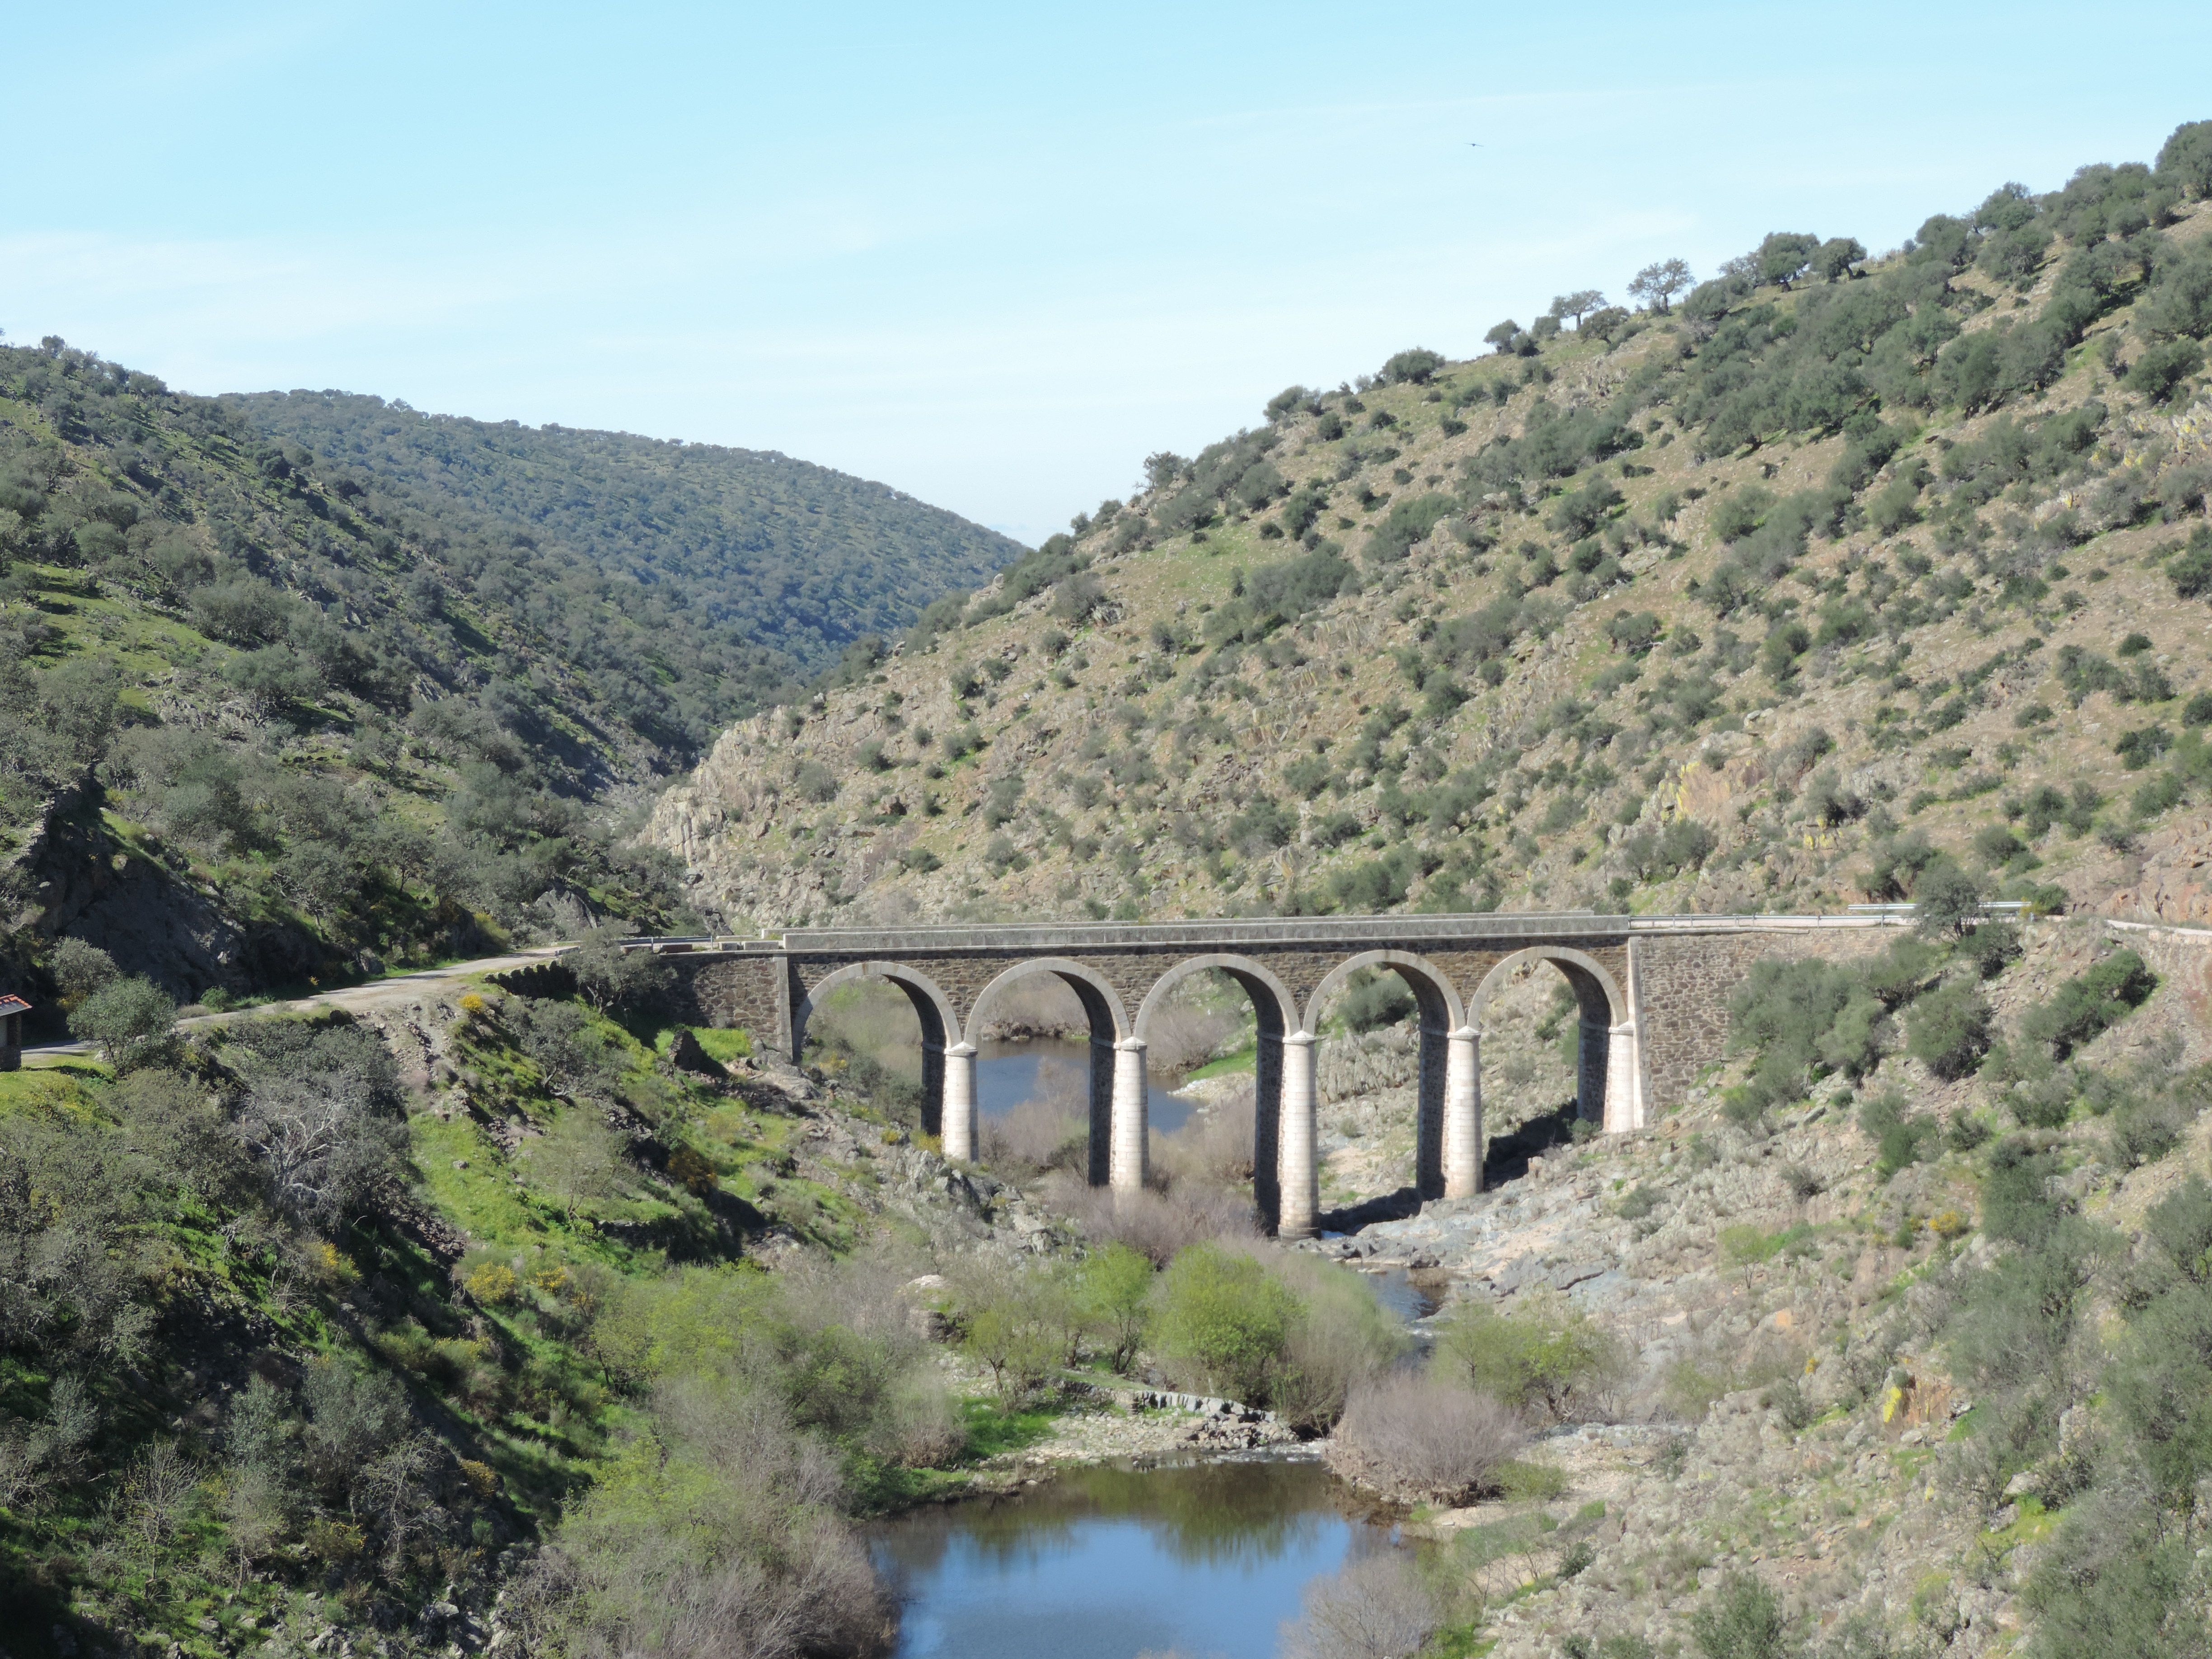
{"x":386,"y":992}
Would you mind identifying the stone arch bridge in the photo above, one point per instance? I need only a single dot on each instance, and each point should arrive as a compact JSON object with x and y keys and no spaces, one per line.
{"x":1652,"y":990}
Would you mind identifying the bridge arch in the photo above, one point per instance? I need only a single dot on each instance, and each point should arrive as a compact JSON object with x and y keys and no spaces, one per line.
{"x":940,"y":1025}
{"x":1113,"y":1053}
{"x":1596,"y":991}
{"x":1275,"y":1015}
{"x":1443,"y":1017}
{"x":1608,"y":1071}
{"x":1102,"y":1002}
{"x":1431,"y":987}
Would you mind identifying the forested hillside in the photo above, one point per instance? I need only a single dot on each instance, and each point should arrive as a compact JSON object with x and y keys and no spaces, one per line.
{"x":1785,"y":589}
{"x":270,"y":719}
{"x":761,"y":550}
{"x":275,"y":716}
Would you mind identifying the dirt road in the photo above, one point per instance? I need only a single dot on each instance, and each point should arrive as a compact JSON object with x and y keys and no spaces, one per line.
{"x":388,"y":992}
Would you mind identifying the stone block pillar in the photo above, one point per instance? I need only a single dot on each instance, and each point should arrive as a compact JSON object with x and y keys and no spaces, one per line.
{"x":1429,"y":1131}
{"x":1266,"y":1125}
{"x":959,"y":1114}
{"x":1463,"y":1113}
{"x":1130,"y":1151}
{"x":1624,"y":1106}
{"x":1592,"y":1055}
{"x":1098,"y":1150}
{"x":1297,"y":1167}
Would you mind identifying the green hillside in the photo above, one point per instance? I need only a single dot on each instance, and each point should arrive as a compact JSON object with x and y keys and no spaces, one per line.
{"x":761,"y":550}
{"x":268,"y":723}
{"x":1778,"y":592}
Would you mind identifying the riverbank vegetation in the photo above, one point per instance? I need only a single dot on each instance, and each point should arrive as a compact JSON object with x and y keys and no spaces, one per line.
{"x":292,"y":1341}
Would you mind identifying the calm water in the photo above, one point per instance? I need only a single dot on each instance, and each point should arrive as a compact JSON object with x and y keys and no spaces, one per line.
{"x":1008,"y":1073}
{"x":1105,"y":1564}
{"x":1403,"y":1298}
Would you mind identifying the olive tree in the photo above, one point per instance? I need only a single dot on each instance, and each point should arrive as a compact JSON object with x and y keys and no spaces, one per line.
{"x":134,"y":1021}
{"x":1576,"y":304}
{"x":1658,"y":282}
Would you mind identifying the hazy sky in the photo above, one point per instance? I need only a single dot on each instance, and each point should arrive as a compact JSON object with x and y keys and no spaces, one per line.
{"x":991,"y":255}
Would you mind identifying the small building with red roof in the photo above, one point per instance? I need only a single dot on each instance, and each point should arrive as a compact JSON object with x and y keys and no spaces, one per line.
{"x":12,"y":1010}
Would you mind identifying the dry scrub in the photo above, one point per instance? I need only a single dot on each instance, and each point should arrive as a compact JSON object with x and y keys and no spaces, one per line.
{"x":1420,"y":1441}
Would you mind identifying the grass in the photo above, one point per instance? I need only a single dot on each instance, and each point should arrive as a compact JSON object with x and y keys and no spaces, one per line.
{"x":994,"y":1430}
{"x":724,"y":1045}
{"x":1243,"y":1060}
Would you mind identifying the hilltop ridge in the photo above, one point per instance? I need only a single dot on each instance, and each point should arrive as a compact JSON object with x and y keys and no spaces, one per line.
{"x":802,"y":560}
{"x":1773,"y":594}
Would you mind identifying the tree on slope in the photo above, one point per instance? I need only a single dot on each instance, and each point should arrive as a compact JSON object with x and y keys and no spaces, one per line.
{"x":1658,"y":282}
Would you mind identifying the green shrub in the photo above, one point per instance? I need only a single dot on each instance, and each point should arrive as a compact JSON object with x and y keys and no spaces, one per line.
{"x":1904,"y":1139}
{"x":133,"y":1021}
{"x":2159,"y":371}
{"x":1946,"y":900}
{"x":1114,"y":1287}
{"x":1901,"y":972}
{"x":1546,"y":1354}
{"x":1372,"y":1000}
{"x":1016,"y":1323}
{"x":1949,"y":1029}
{"x":2016,"y":1200}
{"x":1530,"y":1480}
{"x":1412,"y":367}
{"x":1308,"y":776}
{"x":1741,"y":1620}
{"x":1221,"y":1322}
{"x":2086,"y":1005}
{"x":1804,"y":1020}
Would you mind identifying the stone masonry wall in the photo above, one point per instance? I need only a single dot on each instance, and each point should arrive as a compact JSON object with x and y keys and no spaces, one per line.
{"x":1683,"y":985}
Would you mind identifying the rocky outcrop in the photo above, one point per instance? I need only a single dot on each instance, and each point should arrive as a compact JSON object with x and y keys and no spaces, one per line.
{"x":80,"y":880}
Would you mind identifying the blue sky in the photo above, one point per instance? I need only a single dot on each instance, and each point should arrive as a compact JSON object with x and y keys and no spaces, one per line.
{"x":991,"y":255}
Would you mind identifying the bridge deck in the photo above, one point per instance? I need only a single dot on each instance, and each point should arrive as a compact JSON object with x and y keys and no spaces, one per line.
{"x":1219,"y":933}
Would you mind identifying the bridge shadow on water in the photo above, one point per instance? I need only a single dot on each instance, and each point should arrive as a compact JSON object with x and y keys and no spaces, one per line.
{"x":1506,"y":1159}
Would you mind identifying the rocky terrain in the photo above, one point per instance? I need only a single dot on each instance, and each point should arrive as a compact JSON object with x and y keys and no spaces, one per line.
{"x":1792,"y":1406}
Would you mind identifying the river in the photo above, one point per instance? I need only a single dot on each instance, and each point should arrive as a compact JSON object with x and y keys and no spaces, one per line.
{"x":1111,"y":1562}
{"x":1008,"y":1073}
{"x":1108,"y":1563}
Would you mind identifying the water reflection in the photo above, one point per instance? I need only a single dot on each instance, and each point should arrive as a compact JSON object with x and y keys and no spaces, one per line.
{"x":1008,"y":1074}
{"x":1104,"y":1563}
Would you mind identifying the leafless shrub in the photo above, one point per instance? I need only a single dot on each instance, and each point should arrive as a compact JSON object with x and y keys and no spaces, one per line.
{"x":1214,"y":1146}
{"x":1421,"y":1441}
{"x":1051,"y":1134}
{"x":1342,"y":1339}
{"x":1377,"y":1608}
{"x":733,"y":1551}
{"x":918,"y":1426}
{"x":157,"y":1494}
{"x":874,"y":1021}
{"x":1158,"y":1224}
{"x":863,"y":1293}
{"x":320,"y":1111}
{"x":1183,"y":1037}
